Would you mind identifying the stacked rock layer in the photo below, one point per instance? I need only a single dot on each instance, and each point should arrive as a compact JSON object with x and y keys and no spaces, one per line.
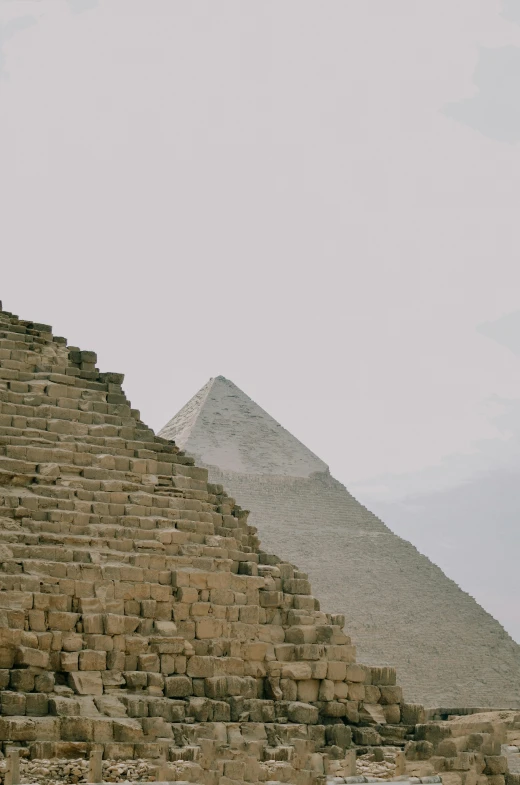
{"x":137,"y":610}
{"x":139,"y":618}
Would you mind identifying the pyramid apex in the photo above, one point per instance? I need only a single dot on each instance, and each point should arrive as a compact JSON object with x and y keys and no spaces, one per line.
{"x":225,"y":380}
{"x":222,"y":426}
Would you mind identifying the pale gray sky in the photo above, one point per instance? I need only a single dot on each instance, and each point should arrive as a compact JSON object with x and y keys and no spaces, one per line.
{"x":317,"y":200}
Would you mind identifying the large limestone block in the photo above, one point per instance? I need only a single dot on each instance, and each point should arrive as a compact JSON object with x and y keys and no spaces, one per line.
{"x":308,"y":690}
{"x":384,"y":675}
{"x":341,"y":691}
{"x":102,"y":730}
{"x":412,"y":713}
{"x":245,"y":686}
{"x":209,"y":628}
{"x":330,"y":633}
{"x":69,"y":661}
{"x":309,"y":651}
{"x":177,"y":686}
{"x":7,"y":657}
{"x":70,"y":641}
{"x":127,"y":730}
{"x":92,"y":623}
{"x":297,"y":586}
{"x":76,"y":729}
{"x":340,"y":735}
{"x":289,"y":689}
{"x":302,"y":713}
{"x":37,"y":704}
{"x":255,"y":651}
{"x":110,"y":706}
{"x":495,"y":764}
{"x":63,"y":707}
{"x":86,"y":682}
{"x":301,"y":634}
{"x":392,"y":713}
{"x":16,"y":599}
{"x":27,"y":657}
{"x":271,"y":599}
{"x":335,"y":709}
{"x":149,"y":662}
{"x":356,"y":691}
{"x":13,"y":703}
{"x":92,"y":660}
{"x":319,"y":669}
{"x":20,"y":679}
{"x":366,"y":736}
{"x":62,"y":620}
{"x":336,"y":671}
{"x":29,"y":729}
{"x":356,"y":673}
{"x":216,"y":687}
{"x":326,"y":691}
{"x":201,"y":667}
{"x":373,"y":695}
{"x":391,"y":694}
{"x":296,"y":670}
{"x":372,"y":713}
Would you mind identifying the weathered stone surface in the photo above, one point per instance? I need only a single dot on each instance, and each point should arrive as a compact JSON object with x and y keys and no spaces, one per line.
{"x":86,"y":683}
{"x":139,"y":616}
{"x":303,"y":713}
{"x":178,"y":687}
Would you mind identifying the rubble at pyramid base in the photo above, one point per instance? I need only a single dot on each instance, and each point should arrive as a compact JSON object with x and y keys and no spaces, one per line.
{"x":145,"y":634}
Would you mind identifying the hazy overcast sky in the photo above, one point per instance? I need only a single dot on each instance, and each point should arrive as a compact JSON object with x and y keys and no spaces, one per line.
{"x":318,"y":200}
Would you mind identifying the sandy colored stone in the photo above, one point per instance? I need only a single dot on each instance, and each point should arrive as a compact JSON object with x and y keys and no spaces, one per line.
{"x":139,"y":614}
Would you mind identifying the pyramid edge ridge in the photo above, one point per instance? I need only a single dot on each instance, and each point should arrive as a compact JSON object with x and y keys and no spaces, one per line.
{"x":179,"y":427}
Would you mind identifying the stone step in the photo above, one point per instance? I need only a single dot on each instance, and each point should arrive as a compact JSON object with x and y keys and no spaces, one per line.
{"x":84,"y":412}
{"x":13,"y":332}
{"x":91,"y":445}
{"x":115,"y":567}
{"x":170,"y":537}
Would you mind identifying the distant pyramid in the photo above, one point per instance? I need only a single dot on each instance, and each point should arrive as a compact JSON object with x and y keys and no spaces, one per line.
{"x":401,"y":609}
{"x":229,"y":430}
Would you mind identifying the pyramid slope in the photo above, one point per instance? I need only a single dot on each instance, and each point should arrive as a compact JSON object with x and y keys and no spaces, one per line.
{"x":222,"y":426}
{"x":400,"y":608}
{"x":139,"y":616}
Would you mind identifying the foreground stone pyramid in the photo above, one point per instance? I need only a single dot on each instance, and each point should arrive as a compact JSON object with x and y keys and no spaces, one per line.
{"x":400,"y":608}
{"x":139,"y":618}
{"x":137,"y":611}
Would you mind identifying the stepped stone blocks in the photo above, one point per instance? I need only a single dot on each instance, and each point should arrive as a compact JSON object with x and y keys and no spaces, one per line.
{"x":140,"y":620}
{"x":138,"y":614}
{"x":400,"y":608}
